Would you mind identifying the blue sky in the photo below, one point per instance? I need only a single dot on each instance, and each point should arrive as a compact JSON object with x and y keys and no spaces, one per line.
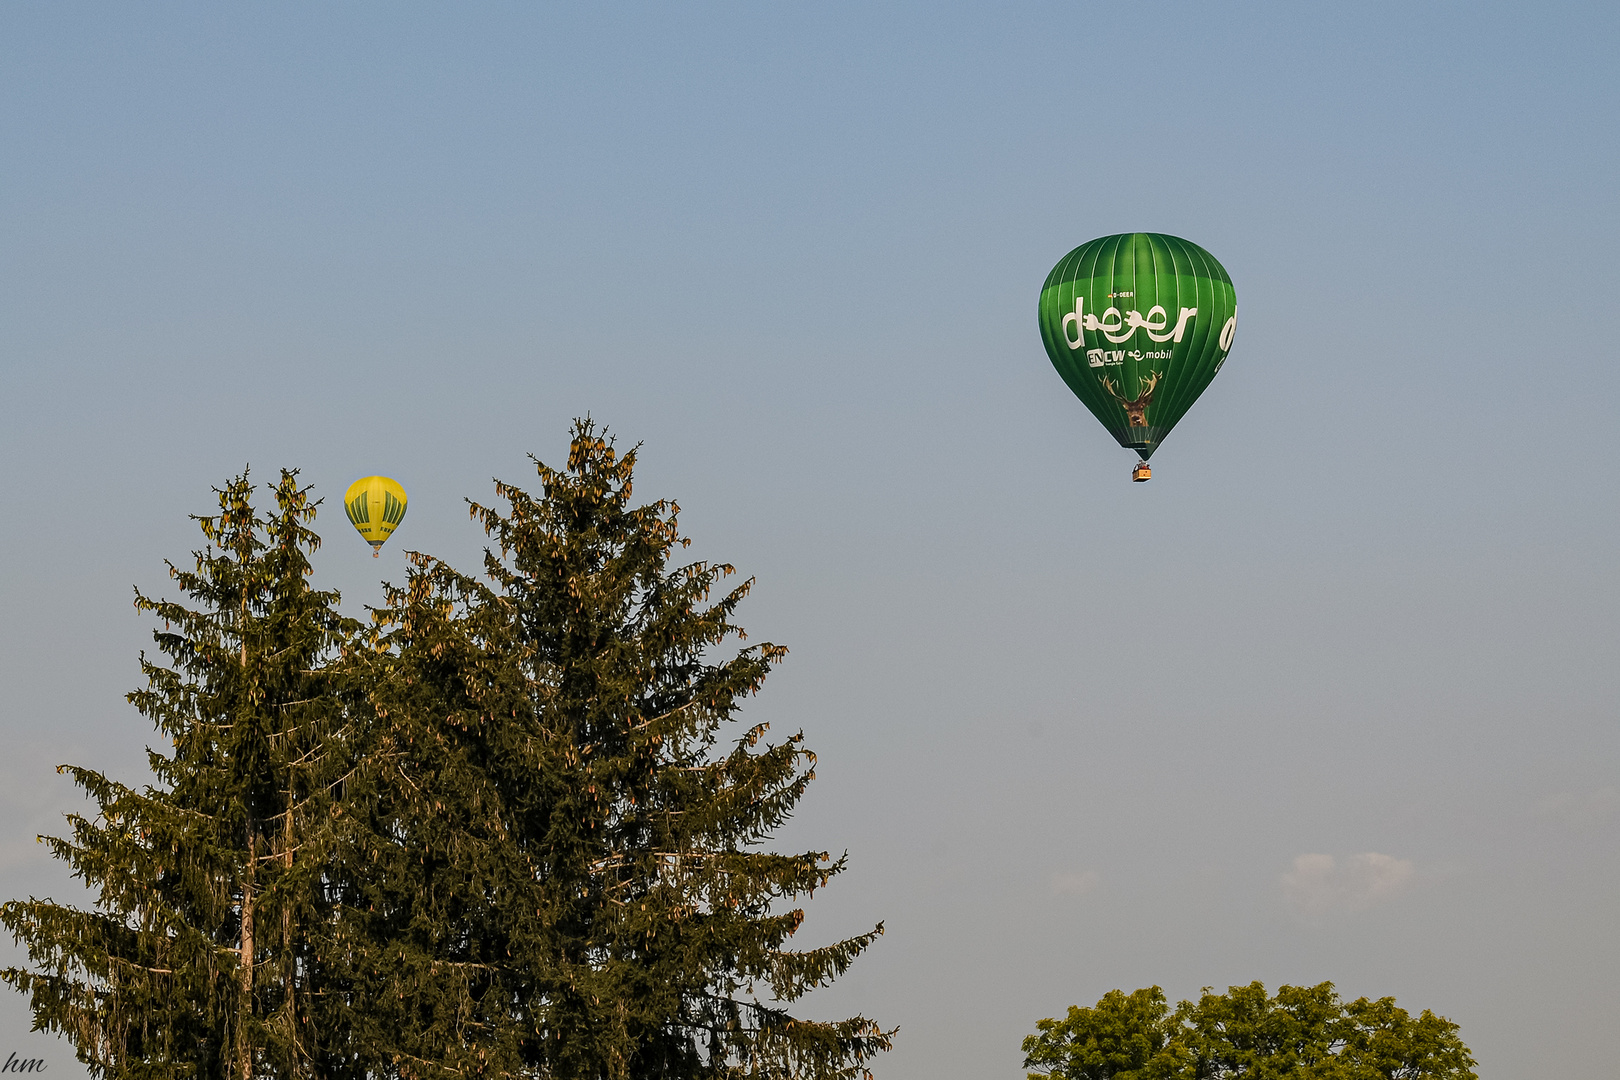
{"x":1333,"y":697}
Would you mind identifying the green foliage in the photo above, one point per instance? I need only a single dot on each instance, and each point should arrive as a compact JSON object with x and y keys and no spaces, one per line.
{"x":1302,"y":1032}
{"x":1123,"y":1037}
{"x":208,"y":895}
{"x":570,"y":882}
{"x":503,"y":831}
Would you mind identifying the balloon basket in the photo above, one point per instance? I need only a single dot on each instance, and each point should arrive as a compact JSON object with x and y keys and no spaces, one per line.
{"x":1141,"y":472}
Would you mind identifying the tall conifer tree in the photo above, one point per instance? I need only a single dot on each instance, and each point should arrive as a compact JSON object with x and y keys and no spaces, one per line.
{"x":557,"y":869}
{"x":197,"y":958}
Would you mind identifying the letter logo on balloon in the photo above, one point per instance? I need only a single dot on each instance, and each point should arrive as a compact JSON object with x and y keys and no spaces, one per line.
{"x":1118,"y":326}
{"x":1075,"y":318}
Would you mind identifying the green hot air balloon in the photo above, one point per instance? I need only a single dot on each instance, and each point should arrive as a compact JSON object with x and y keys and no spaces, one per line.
{"x":1138,"y":324}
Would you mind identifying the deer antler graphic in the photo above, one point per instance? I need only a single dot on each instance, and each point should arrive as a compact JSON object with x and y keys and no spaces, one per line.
{"x":1135,"y":408}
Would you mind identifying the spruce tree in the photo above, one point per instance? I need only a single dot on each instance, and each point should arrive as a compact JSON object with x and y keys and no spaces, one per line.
{"x":197,"y":958}
{"x":557,"y":868}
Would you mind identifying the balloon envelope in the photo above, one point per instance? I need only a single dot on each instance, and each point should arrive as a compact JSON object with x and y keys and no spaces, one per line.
{"x":1138,"y":324}
{"x":376,"y":506}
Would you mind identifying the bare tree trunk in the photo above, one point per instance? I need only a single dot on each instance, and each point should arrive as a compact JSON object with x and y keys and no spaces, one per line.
{"x":243,"y":1048}
{"x":289,"y":963}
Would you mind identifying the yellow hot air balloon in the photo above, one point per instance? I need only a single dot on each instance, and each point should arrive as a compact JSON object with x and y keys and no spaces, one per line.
{"x":376,"y":506}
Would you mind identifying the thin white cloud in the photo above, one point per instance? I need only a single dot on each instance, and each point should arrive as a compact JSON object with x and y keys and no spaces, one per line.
{"x":1320,"y":885}
{"x":1077,"y":883}
{"x":1581,"y":809}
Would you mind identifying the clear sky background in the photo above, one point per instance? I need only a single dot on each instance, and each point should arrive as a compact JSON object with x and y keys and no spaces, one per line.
{"x":1334,"y":697}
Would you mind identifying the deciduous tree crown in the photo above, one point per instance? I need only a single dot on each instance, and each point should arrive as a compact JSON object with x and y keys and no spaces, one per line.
{"x":1303,"y":1032}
